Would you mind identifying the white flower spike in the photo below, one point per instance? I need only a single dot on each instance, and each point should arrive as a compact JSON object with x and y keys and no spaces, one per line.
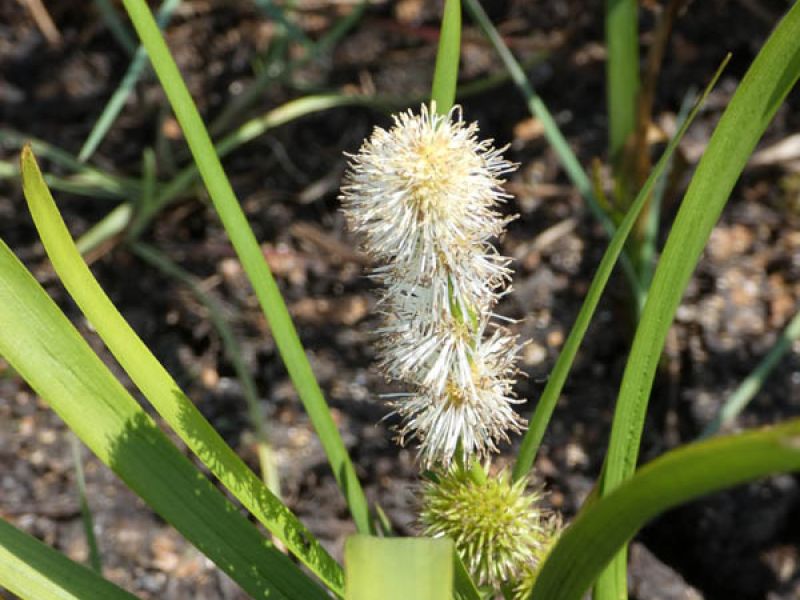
{"x":423,"y":196}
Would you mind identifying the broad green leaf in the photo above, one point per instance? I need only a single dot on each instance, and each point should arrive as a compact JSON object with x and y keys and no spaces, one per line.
{"x":34,"y":571}
{"x":765,"y":85}
{"x":160,"y":388}
{"x":555,"y":382}
{"x":398,"y":568}
{"x":678,"y":476}
{"x":253,"y":261}
{"x":445,"y":75}
{"x":49,"y":353}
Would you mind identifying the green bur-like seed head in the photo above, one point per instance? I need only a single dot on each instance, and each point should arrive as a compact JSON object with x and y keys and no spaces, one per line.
{"x":497,"y":528}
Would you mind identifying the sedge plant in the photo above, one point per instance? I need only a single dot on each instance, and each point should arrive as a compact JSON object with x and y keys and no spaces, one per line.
{"x":424,"y":198}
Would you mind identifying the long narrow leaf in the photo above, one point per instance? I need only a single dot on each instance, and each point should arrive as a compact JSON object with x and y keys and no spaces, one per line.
{"x":681,"y":475}
{"x":445,"y":75}
{"x":160,"y":389}
{"x":123,"y":91}
{"x":622,"y":71}
{"x":253,"y":261}
{"x":765,"y":85}
{"x":555,"y":382}
{"x":34,"y":571}
{"x":49,"y":353}
{"x":750,"y":385}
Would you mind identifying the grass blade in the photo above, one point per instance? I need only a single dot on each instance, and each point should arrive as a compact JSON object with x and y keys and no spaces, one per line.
{"x":445,"y":74}
{"x":399,"y":568}
{"x":116,"y":26}
{"x":622,"y":72}
{"x":558,"y":376}
{"x":34,"y":571}
{"x":49,"y":353}
{"x":765,"y":85}
{"x":86,"y":511}
{"x":678,"y":476}
{"x":125,"y":87}
{"x":750,"y":385}
{"x":159,"y":387}
{"x":253,"y":262}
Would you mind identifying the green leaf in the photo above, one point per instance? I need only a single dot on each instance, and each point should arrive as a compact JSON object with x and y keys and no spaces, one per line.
{"x":126,"y":85}
{"x":253,"y":261}
{"x":445,"y":75}
{"x":34,"y":571}
{"x":622,"y":71}
{"x":678,"y":476}
{"x":555,"y":382}
{"x":765,"y":85}
{"x":49,"y":353}
{"x":750,"y":385}
{"x":399,"y":568}
{"x":160,"y":389}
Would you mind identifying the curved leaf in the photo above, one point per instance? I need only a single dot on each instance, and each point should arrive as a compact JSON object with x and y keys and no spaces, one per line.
{"x":678,"y":476}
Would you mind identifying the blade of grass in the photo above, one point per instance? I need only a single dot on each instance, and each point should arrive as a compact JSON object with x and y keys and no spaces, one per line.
{"x":622,"y":72}
{"x":86,"y":512}
{"x":255,"y":412}
{"x":160,"y":389}
{"x":445,"y":74}
{"x":555,"y":382}
{"x":569,"y":162}
{"x":649,"y":246}
{"x":750,"y":385}
{"x":49,"y":353}
{"x":765,"y":85}
{"x":678,"y":476}
{"x":465,"y":588}
{"x":116,"y":26}
{"x":34,"y":571}
{"x":125,"y":87}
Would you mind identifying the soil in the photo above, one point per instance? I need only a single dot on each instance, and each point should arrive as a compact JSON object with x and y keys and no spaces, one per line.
{"x":741,"y":544}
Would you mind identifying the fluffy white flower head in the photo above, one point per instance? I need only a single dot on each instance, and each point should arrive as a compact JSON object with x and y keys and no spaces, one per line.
{"x":423,"y":196}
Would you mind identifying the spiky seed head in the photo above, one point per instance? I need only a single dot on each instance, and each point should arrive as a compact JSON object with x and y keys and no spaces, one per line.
{"x":496,"y":524}
{"x":552,"y":526}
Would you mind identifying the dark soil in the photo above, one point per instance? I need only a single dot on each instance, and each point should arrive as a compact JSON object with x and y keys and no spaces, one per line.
{"x":742,"y":544}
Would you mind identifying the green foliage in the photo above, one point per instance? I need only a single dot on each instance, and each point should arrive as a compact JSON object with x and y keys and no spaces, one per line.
{"x":159,"y":388}
{"x":399,"y":568}
{"x":49,"y":353}
{"x":558,"y":377}
{"x":445,"y":76}
{"x":769,"y":79}
{"x":253,"y":262}
{"x":679,"y":476}
{"x":34,"y":571}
